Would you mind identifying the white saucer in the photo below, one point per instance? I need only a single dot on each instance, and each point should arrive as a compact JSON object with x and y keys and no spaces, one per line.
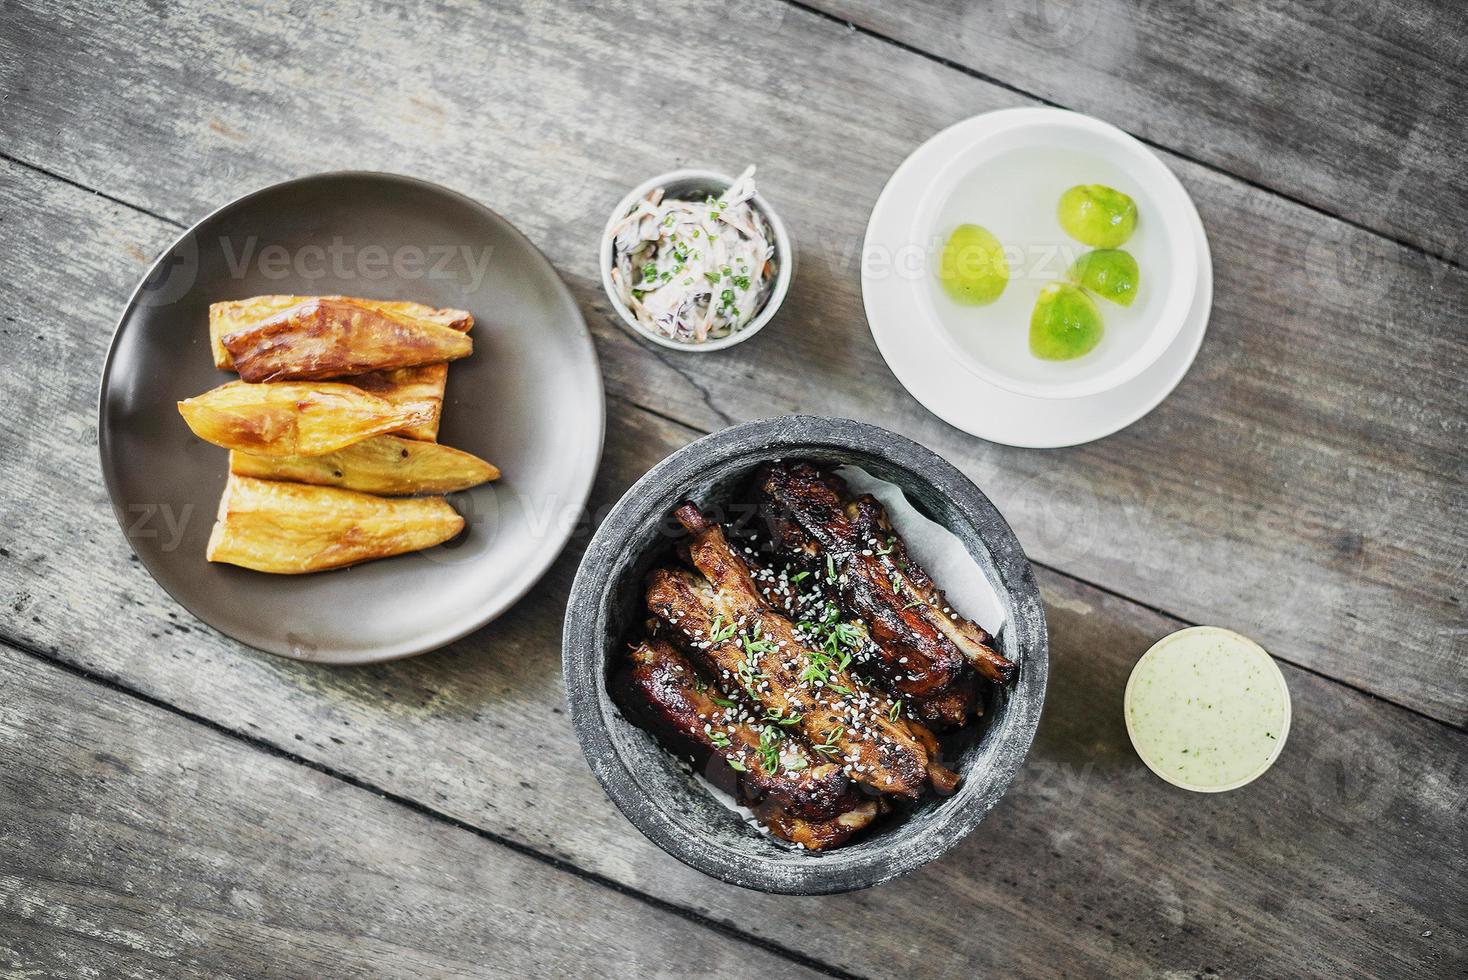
{"x":921,"y":357}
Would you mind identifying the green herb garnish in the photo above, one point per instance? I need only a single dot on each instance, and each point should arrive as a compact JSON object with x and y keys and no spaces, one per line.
{"x":769,"y":748}
{"x":721,"y":633}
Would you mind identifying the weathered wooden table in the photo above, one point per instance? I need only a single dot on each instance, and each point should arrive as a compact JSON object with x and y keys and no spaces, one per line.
{"x":173,"y":803}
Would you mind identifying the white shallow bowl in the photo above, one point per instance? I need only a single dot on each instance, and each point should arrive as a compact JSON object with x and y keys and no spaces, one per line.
{"x":1006,"y":172}
{"x":696,"y":185}
{"x":900,"y":292}
{"x":1271,"y":670}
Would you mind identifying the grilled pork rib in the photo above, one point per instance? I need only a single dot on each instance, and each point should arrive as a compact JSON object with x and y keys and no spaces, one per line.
{"x":819,"y":835}
{"x":669,"y":693}
{"x":924,"y":644}
{"x":751,"y":645}
{"x":973,"y":641}
{"x":819,"y":603}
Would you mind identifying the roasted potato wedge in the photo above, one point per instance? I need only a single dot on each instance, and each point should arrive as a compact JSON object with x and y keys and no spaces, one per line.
{"x":331,"y":338}
{"x":291,"y":528}
{"x":389,"y":465}
{"x":420,"y":388}
{"x":235,"y":315}
{"x":292,"y":418}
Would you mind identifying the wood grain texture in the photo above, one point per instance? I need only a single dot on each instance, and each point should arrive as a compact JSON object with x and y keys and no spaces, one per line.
{"x":139,"y":844}
{"x":1353,"y":107}
{"x":1308,"y":470}
{"x":1344,"y":854}
{"x":1298,"y":485}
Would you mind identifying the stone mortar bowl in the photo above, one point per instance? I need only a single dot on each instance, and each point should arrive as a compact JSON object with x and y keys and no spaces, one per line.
{"x":650,"y":785}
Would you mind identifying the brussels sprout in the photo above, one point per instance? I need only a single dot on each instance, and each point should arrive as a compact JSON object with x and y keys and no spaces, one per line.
{"x":1097,"y":215}
{"x":1065,"y":324}
{"x":1109,"y":273}
{"x":972,"y":268}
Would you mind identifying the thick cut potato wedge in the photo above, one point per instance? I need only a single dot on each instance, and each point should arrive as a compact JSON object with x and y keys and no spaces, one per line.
{"x":420,"y":388}
{"x":389,"y":465}
{"x":290,"y":528}
{"x":291,"y":418}
{"x":237,"y":314}
{"x":331,"y":338}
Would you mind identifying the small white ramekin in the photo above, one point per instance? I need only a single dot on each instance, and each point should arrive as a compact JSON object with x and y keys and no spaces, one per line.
{"x":696,"y":185}
{"x":1276,"y":675}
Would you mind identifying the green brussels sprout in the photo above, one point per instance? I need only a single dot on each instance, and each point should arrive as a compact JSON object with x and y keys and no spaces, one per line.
{"x":1097,"y":215}
{"x":1065,"y":324}
{"x":1109,"y":273}
{"x":972,"y":268}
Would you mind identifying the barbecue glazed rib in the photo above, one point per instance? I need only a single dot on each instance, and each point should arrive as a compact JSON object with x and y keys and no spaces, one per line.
{"x":923,"y":642}
{"x":669,"y":694}
{"x":815,"y":806}
{"x":870,"y":519}
{"x":943,"y":780}
{"x":820,"y":835}
{"x":748,"y":644}
{"x":329,"y":338}
{"x":951,"y":707}
{"x":948,"y":708}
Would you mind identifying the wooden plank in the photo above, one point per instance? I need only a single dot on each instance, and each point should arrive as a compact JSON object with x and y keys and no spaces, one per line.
{"x":1294,"y":486}
{"x":1351,"y":107}
{"x":138,"y":843}
{"x":1343,"y":855}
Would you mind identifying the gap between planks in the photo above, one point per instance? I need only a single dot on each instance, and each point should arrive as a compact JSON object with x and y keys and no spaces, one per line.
{"x":558,"y":864}
{"x":1006,"y":86}
{"x":35,"y":168}
{"x":699,"y":431}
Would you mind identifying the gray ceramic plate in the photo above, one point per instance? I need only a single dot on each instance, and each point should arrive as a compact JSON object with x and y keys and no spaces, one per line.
{"x":647,"y":783}
{"x":529,"y":399}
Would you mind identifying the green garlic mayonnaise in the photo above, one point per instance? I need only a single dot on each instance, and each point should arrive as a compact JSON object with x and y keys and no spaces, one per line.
{"x":1207,"y":709}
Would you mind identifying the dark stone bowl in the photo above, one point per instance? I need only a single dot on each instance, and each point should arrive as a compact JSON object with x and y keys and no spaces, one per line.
{"x":654,"y":790}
